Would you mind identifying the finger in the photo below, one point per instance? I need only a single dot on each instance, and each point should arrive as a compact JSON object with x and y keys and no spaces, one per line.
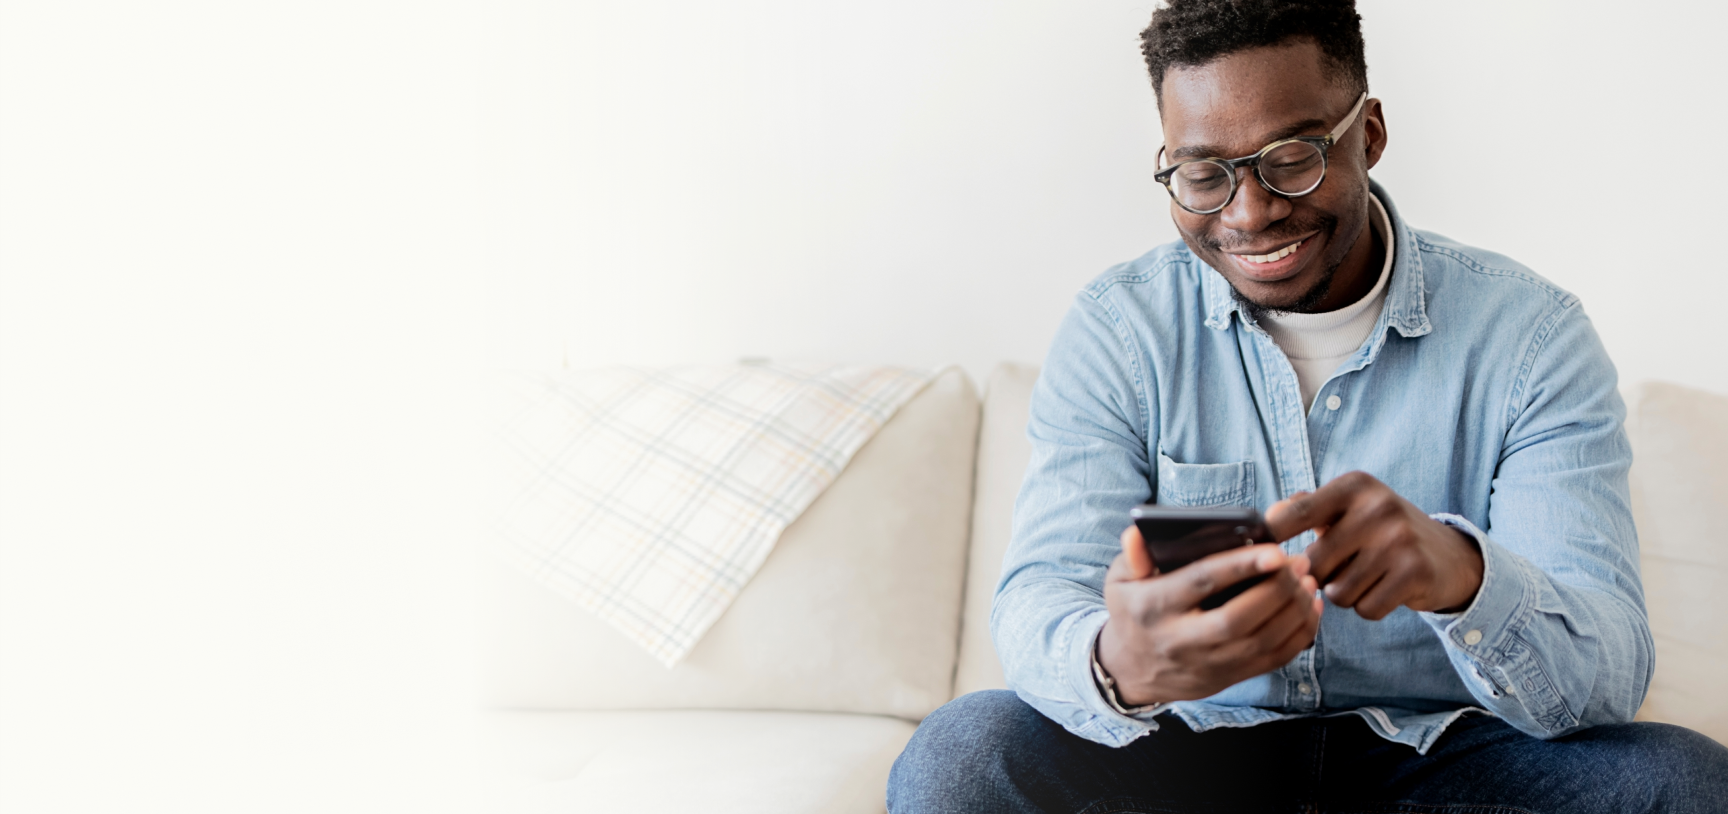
{"x":1283,"y":507}
{"x":1302,"y":603}
{"x":1118,"y":569}
{"x":1381,"y":600}
{"x":1330,"y":553}
{"x":1188,"y":585}
{"x":1298,"y":641}
{"x":1340,"y":549}
{"x":1254,"y":608}
{"x":1322,"y":507}
{"x":1346,"y":592}
{"x":1278,"y":626}
{"x":1353,"y":577}
{"x":1296,"y":616}
{"x":1139,"y":560}
{"x":1290,"y":589}
{"x":1296,"y":637}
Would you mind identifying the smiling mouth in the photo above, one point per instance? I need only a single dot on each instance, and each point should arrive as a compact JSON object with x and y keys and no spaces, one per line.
{"x":1262,"y":259}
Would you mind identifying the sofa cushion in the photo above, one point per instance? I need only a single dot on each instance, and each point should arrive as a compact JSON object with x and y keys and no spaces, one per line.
{"x":1679,"y":486}
{"x":856,"y":610}
{"x":1003,"y":453}
{"x":708,"y":761}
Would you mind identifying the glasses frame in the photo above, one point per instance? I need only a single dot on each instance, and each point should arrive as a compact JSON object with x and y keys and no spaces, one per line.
{"x":1232,"y":165}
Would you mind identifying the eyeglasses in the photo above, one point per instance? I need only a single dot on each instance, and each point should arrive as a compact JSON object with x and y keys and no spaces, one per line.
{"x":1289,"y":168}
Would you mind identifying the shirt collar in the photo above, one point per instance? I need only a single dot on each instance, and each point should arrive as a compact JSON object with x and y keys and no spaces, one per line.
{"x":1406,"y":306}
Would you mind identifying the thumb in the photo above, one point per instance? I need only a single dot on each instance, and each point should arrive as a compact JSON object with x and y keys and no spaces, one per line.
{"x":1139,"y":562}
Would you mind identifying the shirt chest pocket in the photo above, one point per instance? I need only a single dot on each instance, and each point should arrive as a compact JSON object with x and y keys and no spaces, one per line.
{"x":1205,"y":484}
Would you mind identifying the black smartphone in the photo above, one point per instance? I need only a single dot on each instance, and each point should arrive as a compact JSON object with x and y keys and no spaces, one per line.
{"x":1178,"y":535}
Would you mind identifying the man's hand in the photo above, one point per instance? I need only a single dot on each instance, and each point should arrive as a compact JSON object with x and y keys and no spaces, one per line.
{"x":1160,"y":646}
{"x":1376,"y":551}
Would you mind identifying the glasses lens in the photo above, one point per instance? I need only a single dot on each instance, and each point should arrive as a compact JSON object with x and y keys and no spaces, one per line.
{"x":1293,"y":168}
{"x":1201,"y":185}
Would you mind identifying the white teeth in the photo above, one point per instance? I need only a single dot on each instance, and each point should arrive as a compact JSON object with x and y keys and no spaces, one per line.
{"x":1277,"y":255}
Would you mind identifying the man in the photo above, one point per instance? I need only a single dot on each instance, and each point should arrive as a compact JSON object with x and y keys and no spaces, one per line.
{"x":1453,"y":620}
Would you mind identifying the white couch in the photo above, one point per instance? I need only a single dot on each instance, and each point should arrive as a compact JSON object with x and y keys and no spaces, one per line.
{"x":873,"y":610}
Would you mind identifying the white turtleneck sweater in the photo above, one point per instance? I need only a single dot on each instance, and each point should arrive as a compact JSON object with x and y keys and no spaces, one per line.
{"x":1317,"y":344}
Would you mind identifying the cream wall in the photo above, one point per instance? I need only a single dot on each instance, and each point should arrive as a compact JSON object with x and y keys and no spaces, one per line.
{"x":250,"y":255}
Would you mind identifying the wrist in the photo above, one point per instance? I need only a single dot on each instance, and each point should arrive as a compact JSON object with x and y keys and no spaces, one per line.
{"x":1469,"y":573}
{"x":1109,"y":670}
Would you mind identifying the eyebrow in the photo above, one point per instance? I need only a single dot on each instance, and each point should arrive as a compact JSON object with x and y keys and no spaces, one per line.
{"x":1213,"y":151}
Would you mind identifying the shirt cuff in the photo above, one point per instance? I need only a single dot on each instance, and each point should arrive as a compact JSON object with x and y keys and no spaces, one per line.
{"x":1486,"y":634}
{"x":1487,"y":620}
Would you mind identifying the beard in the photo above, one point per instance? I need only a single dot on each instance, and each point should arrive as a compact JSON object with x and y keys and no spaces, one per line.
{"x":1303,"y":305}
{"x":1306,"y":302}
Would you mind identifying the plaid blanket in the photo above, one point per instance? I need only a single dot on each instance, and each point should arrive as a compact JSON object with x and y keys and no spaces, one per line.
{"x":652,"y":496}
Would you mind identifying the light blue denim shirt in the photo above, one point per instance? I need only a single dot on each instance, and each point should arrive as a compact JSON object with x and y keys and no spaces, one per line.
{"x":1482,"y":395}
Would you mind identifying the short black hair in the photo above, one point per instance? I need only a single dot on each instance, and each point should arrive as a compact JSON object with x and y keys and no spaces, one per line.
{"x":1187,"y":33}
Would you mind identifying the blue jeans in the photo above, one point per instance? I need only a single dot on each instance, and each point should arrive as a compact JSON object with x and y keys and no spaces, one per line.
{"x":990,"y":752}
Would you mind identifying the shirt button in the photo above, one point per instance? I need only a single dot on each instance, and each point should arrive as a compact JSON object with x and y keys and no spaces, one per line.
{"x":1333,"y":402}
{"x":1473,"y":637}
{"x":1304,"y":688}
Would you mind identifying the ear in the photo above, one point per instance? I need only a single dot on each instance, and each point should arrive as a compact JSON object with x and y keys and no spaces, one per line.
{"x":1373,"y":131}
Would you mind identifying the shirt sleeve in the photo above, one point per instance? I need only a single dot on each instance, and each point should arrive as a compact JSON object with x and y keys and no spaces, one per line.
{"x":1089,"y":466}
{"x":1557,"y":638}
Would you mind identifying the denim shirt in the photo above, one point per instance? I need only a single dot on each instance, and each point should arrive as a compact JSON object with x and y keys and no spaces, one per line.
{"x":1482,"y":395}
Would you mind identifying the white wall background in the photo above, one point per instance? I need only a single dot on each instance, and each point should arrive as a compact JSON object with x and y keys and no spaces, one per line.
{"x":250,"y":255}
{"x":929,"y":183}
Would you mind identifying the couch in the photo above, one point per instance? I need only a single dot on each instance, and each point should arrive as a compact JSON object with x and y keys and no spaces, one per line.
{"x":873,"y":611}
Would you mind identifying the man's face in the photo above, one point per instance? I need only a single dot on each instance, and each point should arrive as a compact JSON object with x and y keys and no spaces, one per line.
{"x":1232,"y":107}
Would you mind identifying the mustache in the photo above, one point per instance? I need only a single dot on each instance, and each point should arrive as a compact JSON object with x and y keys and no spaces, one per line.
{"x":1225,"y":240}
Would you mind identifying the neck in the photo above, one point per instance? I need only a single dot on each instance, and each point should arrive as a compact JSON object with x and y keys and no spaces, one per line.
{"x":1359,"y":271}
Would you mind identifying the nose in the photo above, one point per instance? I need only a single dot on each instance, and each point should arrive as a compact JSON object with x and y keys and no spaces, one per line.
{"x":1253,"y":209}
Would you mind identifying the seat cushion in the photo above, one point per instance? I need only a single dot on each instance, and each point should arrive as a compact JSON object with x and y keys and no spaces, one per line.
{"x":857,"y":609}
{"x":1679,"y":486}
{"x":708,"y":761}
{"x":1003,"y":453}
